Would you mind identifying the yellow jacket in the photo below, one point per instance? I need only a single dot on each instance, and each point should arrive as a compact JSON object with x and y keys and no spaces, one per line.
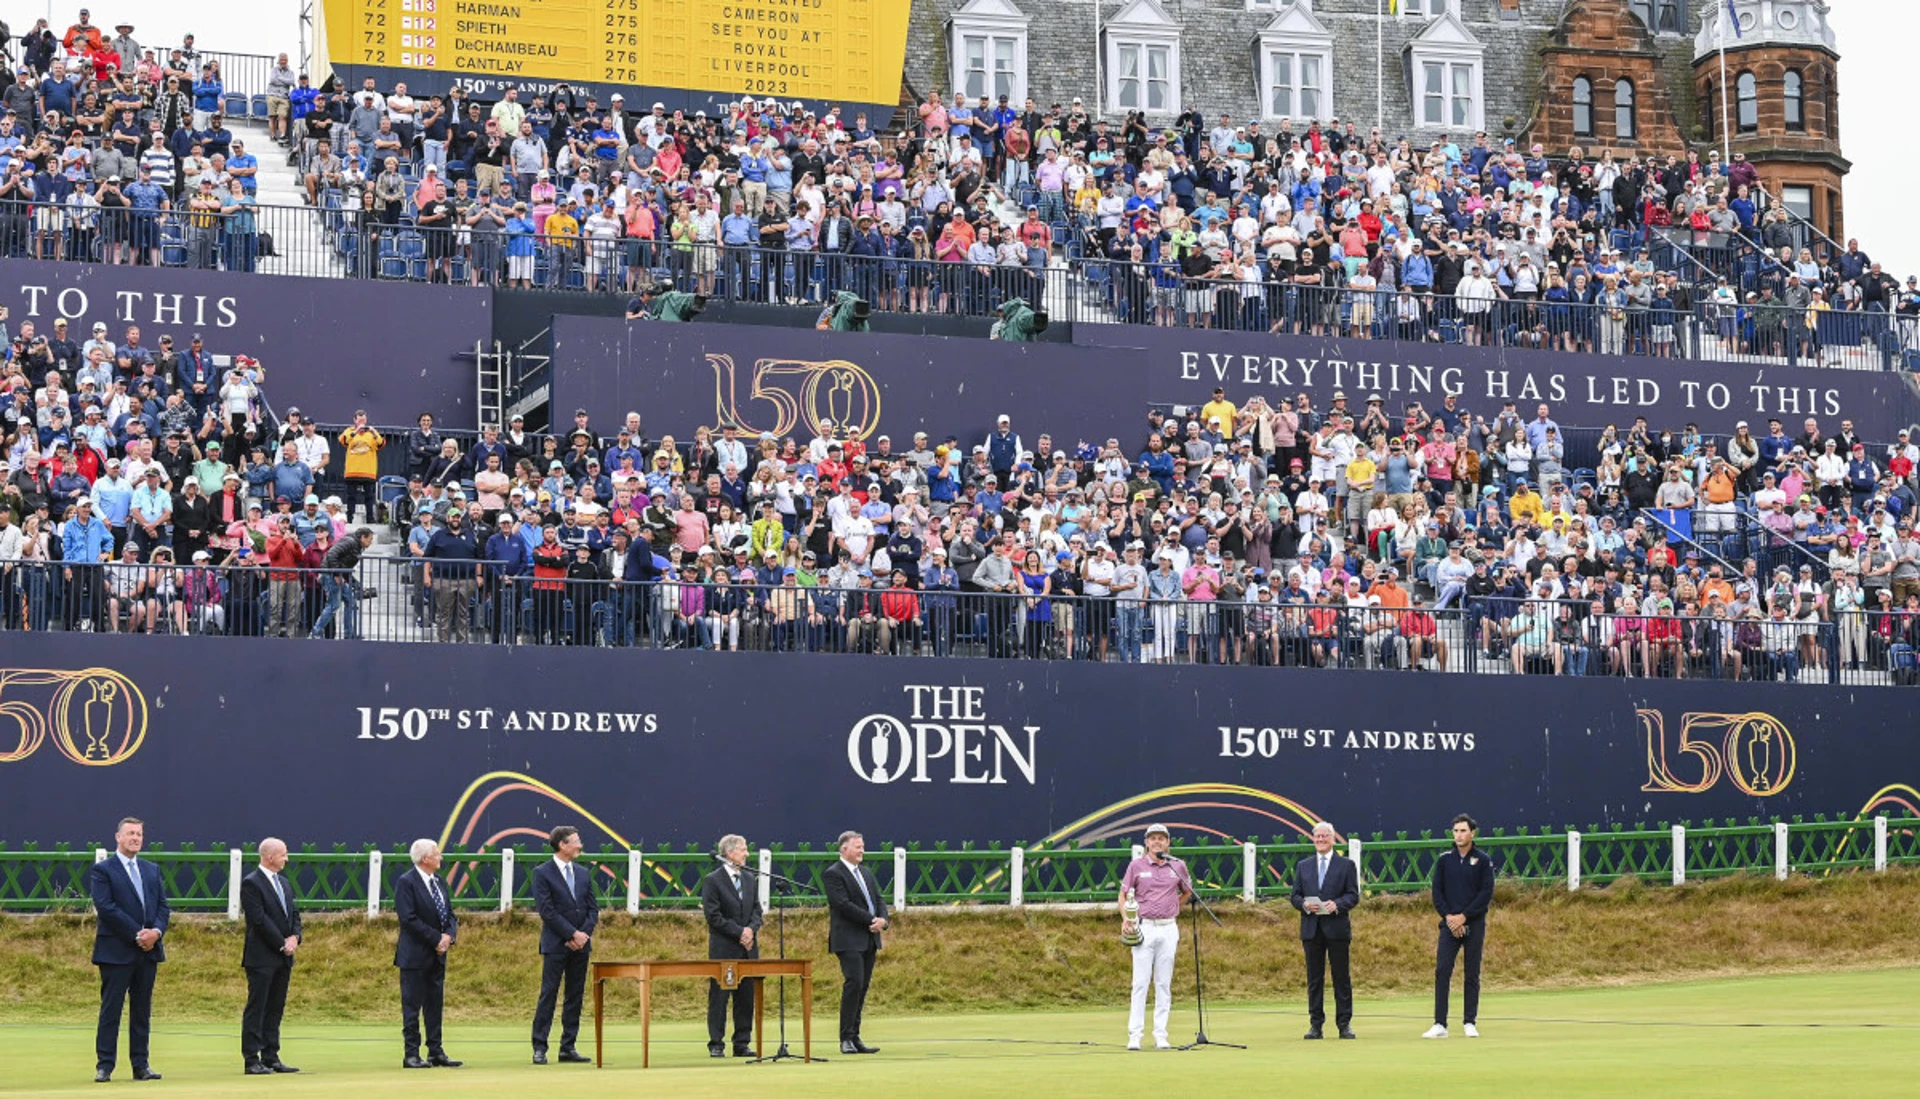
{"x":363,"y":452}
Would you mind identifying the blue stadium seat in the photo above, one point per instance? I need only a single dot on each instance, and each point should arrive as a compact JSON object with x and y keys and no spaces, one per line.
{"x":234,"y":106}
{"x":259,"y":105}
{"x":412,"y":245}
{"x":417,"y":270}
{"x":393,"y":267}
{"x":457,"y":269}
{"x":173,"y":255}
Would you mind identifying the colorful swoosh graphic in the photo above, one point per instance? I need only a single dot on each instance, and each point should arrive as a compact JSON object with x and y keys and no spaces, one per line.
{"x":463,"y":822}
{"x":1900,"y":795}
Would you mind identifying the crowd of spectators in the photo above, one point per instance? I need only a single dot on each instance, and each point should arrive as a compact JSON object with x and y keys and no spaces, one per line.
{"x":1312,"y":228}
{"x":1225,"y":533}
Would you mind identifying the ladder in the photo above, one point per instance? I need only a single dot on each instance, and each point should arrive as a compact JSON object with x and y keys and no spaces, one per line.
{"x":490,"y":380}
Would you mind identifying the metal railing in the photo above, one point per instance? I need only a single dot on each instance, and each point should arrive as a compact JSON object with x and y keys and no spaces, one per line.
{"x":353,"y":234}
{"x":207,"y":881}
{"x":414,"y":600}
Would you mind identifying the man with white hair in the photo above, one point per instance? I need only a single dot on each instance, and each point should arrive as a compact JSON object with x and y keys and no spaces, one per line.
{"x":273,"y":937}
{"x":427,"y":932}
{"x":1325,"y":885}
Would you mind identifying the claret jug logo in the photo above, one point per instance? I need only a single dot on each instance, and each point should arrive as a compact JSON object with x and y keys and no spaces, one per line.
{"x":95,"y":717}
{"x":785,"y":395}
{"x":946,"y":737}
{"x":1753,"y":751}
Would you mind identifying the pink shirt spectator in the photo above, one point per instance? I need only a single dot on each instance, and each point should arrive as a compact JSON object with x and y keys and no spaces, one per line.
{"x":1201,"y":582}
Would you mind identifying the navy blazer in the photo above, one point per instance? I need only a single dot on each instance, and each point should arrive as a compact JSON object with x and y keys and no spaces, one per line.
{"x":560,"y":914}
{"x":119,"y":915}
{"x":268,"y":924}
{"x":848,"y":919}
{"x":1342,"y":887}
{"x":420,"y":922}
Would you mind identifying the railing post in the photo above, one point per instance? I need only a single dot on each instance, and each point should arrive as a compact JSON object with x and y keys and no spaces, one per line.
{"x":766,"y":883}
{"x":1573,"y":862}
{"x":1139,"y":851}
{"x":506,"y":879}
{"x":373,"y":883}
{"x":1018,"y":869}
{"x":1353,"y":852}
{"x":99,"y":854}
{"x":1249,"y":872}
{"x":234,"y":866}
{"x":899,"y":877}
{"x":1780,"y":850}
{"x":1679,"y":854}
{"x":1880,"y":844}
{"x":636,"y":866}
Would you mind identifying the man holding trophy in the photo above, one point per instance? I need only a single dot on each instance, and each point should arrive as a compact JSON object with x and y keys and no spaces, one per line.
{"x":1150,"y":895}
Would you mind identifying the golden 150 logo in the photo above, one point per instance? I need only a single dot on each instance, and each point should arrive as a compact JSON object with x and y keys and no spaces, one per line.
{"x":785,"y":394}
{"x":1753,"y":751}
{"x":95,"y":717}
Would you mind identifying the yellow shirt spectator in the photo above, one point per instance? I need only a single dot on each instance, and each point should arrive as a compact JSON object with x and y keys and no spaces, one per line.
{"x":1222,"y":408}
{"x":1361,"y":473}
{"x":362,"y":445}
{"x":1526,"y":504}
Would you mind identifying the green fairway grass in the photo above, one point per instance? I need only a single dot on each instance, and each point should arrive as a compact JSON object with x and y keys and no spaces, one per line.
{"x":1840,"y":1033}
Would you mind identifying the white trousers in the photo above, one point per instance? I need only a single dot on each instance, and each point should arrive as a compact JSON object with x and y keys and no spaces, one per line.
{"x":1153,"y":962}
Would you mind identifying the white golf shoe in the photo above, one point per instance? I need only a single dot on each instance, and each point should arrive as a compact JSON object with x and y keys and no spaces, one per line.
{"x":1435,"y":1031}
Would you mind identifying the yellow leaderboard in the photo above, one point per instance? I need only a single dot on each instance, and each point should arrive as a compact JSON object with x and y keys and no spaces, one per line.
{"x":838,"y":50}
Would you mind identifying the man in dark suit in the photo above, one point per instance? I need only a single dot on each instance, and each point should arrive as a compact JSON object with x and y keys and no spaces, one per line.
{"x":858,"y":916}
{"x":732,"y":907}
{"x":427,"y":931}
{"x":131,"y":913}
{"x":273,"y":937}
{"x":569,"y":915}
{"x":1333,"y":882}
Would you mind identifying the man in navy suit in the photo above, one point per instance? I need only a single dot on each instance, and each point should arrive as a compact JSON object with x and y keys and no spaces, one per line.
{"x":273,"y":936}
{"x":1333,"y":882}
{"x":427,"y":931}
{"x":130,"y":907}
{"x":731,"y":903}
{"x":569,"y":915}
{"x":857,"y":917}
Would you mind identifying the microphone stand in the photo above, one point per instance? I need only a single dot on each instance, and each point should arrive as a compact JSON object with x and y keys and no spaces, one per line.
{"x":1199,"y":994}
{"x":781,"y":884}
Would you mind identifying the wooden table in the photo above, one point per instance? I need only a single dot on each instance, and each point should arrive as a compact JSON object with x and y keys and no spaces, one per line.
{"x":728,"y":971}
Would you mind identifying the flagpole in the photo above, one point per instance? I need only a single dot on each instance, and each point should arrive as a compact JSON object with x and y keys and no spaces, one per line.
{"x":1380,"y":66}
{"x":1726,"y":93}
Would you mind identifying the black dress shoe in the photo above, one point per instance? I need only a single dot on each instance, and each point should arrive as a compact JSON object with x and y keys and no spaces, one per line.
{"x":1313,"y":1035}
{"x":574,"y":1057}
{"x":413,"y":1061}
{"x":103,"y":1076}
{"x":539,"y":1056}
{"x":281,"y":1066}
{"x":145,"y":1074}
{"x":1347,"y":1032}
{"x":441,"y":1060}
{"x":716,"y":1051}
{"x":255,"y":1068}
{"x":862,"y":1047}
{"x":743,"y":1051}
{"x":848,"y":1048}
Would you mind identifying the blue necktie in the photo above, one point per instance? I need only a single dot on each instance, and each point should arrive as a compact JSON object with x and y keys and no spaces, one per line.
{"x":1323,"y":872}
{"x":861,"y":880}
{"x":439,"y":900}
{"x":566,"y":871}
{"x":280,"y":890}
{"x":139,"y":889}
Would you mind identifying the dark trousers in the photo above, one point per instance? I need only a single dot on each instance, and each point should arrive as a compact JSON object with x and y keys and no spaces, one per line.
{"x":266,"y":1003}
{"x":1321,"y":950}
{"x":118,"y":984}
{"x":742,"y":997}
{"x":856,"y":973}
{"x":360,"y":494}
{"x":571,"y":964}
{"x":1473,"y":942}
{"x":423,"y":992}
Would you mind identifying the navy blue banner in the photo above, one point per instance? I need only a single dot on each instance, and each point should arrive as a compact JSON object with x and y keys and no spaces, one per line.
{"x":329,"y":346}
{"x":787,"y":381}
{"x":214,"y":740}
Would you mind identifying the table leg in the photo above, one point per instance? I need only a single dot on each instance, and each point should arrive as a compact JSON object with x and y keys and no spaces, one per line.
{"x":599,"y":1006}
{"x":760,"y":1018}
{"x":646,"y":1010}
{"x":806,"y":1015}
